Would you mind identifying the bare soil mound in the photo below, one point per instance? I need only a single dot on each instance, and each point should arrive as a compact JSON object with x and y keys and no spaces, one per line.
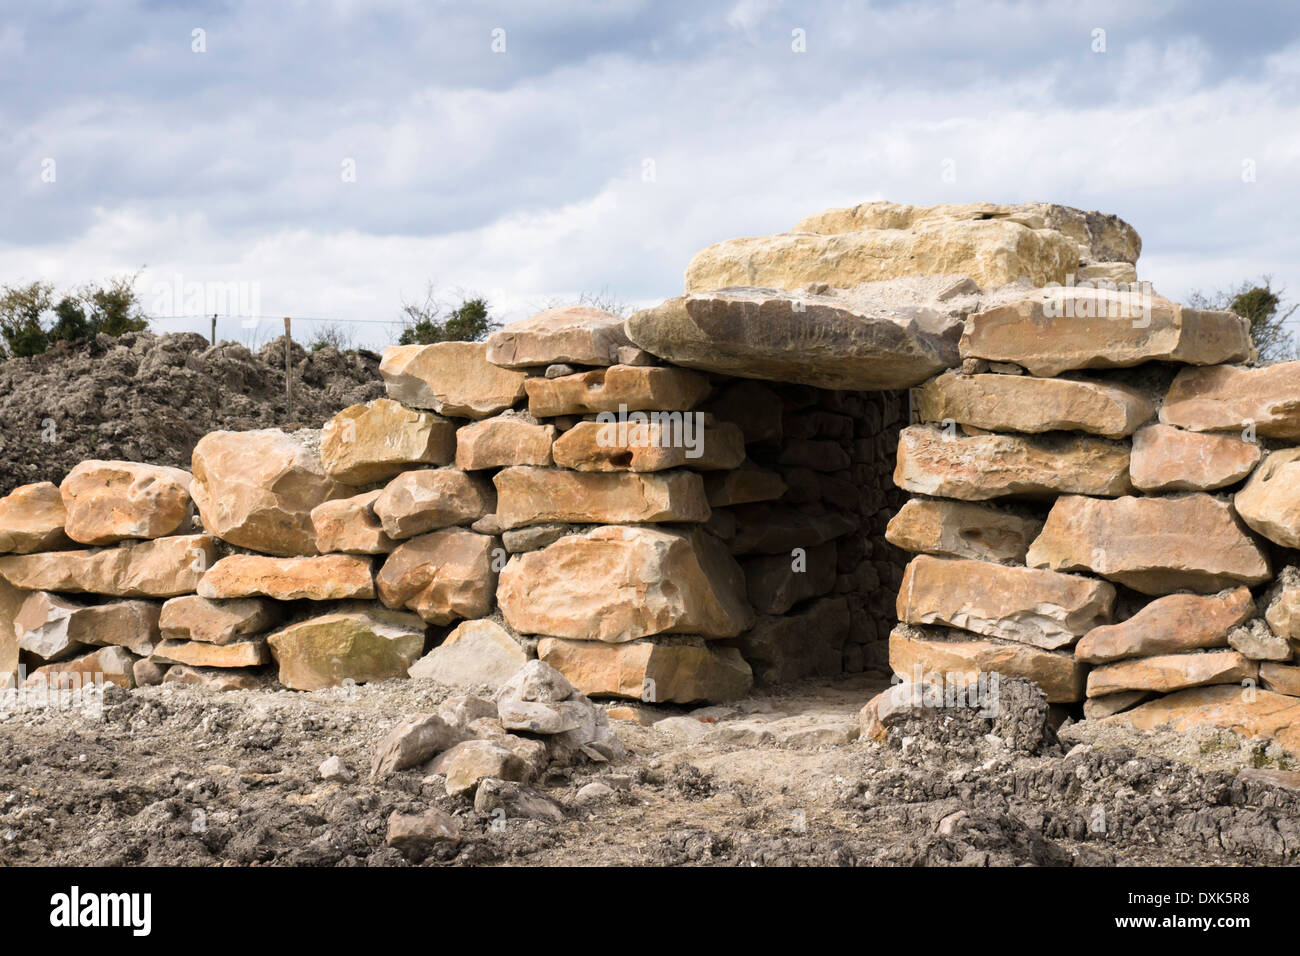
{"x":150,"y":398}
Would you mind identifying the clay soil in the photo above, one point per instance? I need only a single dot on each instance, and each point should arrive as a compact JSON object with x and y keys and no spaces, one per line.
{"x":182,"y":775}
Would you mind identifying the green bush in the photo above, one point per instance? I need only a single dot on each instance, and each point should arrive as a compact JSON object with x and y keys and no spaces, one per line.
{"x":424,"y":323}
{"x":31,"y":320}
{"x":1263,"y":306}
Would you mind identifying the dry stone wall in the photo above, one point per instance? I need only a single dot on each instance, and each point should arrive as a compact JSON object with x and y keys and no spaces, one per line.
{"x":952,"y":442}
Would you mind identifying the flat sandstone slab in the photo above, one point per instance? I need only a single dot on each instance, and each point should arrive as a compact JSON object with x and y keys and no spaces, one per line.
{"x":1170,"y":459}
{"x":1169,"y":625}
{"x":679,"y":671}
{"x":1270,"y":501}
{"x":1262,"y":714}
{"x":527,"y":495}
{"x":161,"y":567}
{"x":1230,"y":398}
{"x":1058,"y":329}
{"x":634,"y":388}
{"x":932,"y":461}
{"x":569,"y":335}
{"x":1192,"y":542}
{"x":363,"y":644}
{"x":1042,"y":608}
{"x":452,"y":378}
{"x":959,"y":529}
{"x":327,"y":577}
{"x":1022,"y":403}
{"x":925,"y":655}
{"x":1171,"y":672}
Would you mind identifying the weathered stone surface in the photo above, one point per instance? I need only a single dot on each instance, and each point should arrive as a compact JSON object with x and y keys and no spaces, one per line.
{"x":777,"y":582}
{"x":1270,"y":501}
{"x":993,"y":252}
{"x":519,"y":802}
{"x":1097,"y":708}
{"x":1042,"y":608}
{"x":257,"y":489}
{"x":920,"y":655}
{"x":1283,"y":604}
{"x":1191,"y":542}
{"x":11,"y":599}
{"x":742,"y":486}
{"x":789,"y":647}
{"x":846,"y":339}
{"x":326,"y":577}
{"x":979,"y":467}
{"x":470,"y":761}
{"x":1021,"y":403}
{"x":1102,"y":239}
{"x":453,"y":378}
{"x":213,"y":678}
{"x":441,"y":576}
{"x":148,"y":672}
{"x":249,"y":652}
{"x":577,"y":334}
{"x":109,"y":501}
{"x":653,"y":445}
{"x":416,"y":834}
{"x":1171,"y":672}
{"x":194,"y":618}
{"x":503,"y":441}
{"x":959,"y":529}
{"x":1054,"y":330}
{"x":1231,"y":398}
{"x":53,"y":627}
{"x":421,"y":501}
{"x":533,"y":537}
{"x":527,"y":495}
{"x":161,"y":567}
{"x":476,"y":654}
{"x":31,"y":519}
{"x":1281,"y":678}
{"x":115,"y":665}
{"x":664,"y":670}
{"x":414,"y":740}
{"x":350,"y":526}
{"x":775,"y":529}
{"x":1170,"y":459}
{"x":374,"y":442}
{"x":1262,"y":714}
{"x":635,"y":388}
{"x":1169,"y":625}
{"x":1256,"y":642}
{"x":618,"y":583}
{"x":363,"y":643}
{"x":753,"y":406}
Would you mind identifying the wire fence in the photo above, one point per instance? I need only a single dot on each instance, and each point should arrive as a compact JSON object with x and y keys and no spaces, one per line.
{"x":254,"y":331}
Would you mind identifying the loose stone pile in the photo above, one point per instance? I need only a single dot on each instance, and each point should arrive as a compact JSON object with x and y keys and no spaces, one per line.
{"x":716,"y":491}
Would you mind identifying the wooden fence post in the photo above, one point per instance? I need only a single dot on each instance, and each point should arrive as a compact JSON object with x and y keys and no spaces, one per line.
{"x":288,"y":374}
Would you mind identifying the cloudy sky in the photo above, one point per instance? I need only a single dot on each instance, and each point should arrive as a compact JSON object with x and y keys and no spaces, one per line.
{"x":334,"y":157}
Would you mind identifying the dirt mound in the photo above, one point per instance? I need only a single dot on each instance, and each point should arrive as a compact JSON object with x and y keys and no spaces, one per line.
{"x":150,"y":398}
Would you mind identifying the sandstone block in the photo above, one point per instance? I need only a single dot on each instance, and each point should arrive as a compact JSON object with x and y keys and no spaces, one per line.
{"x":31,"y":519}
{"x":365,"y":643}
{"x":657,"y":444}
{"x":980,"y":467}
{"x":453,"y":378}
{"x":1055,"y":330}
{"x":1270,"y":500}
{"x":576,"y":334}
{"x":420,"y":501}
{"x":109,"y":501}
{"x":477,"y":653}
{"x":113,"y":664}
{"x":1256,"y":642}
{"x":959,"y":529}
{"x":194,"y":618}
{"x":53,"y":627}
{"x":1046,"y":609}
{"x":257,"y":489}
{"x":503,"y":441}
{"x":1230,"y":398}
{"x":1171,"y":672}
{"x":926,"y":655}
{"x":675,"y":670}
{"x":249,"y":652}
{"x":1154,"y":545}
{"x":527,"y":495}
{"x":374,"y":442}
{"x":1262,"y":714}
{"x":1170,"y":459}
{"x":350,"y":526}
{"x":214,"y":678}
{"x":326,"y":577}
{"x":631,"y":387}
{"x":1280,"y":678}
{"x":1169,"y":625}
{"x":618,"y":583}
{"x":161,"y":567}
{"x":1283,"y":604}
{"x":441,"y":576}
